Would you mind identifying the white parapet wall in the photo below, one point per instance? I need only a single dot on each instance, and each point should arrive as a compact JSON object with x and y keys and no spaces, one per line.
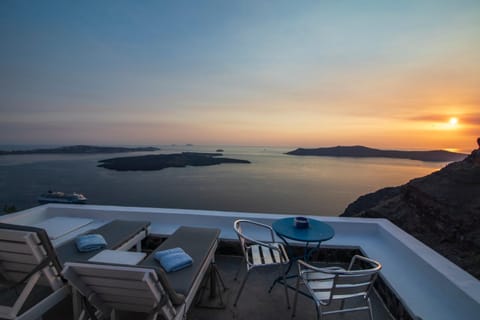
{"x":428,"y":285}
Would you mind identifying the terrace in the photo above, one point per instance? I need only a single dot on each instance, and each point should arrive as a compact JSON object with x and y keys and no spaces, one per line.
{"x":415,"y":282}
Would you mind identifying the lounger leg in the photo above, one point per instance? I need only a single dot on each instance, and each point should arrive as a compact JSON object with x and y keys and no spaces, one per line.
{"x":219,"y":277}
{"x":153,"y":316}
{"x":241,"y":289}
{"x":77,"y":304}
{"x":82,"y":316}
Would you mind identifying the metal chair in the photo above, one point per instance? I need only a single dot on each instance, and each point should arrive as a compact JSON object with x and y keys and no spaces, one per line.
{"x":259,"y":254}
{"x":326,"y":285}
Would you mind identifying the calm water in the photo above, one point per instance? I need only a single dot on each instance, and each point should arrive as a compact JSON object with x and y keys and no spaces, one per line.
{"x":273,"y":182}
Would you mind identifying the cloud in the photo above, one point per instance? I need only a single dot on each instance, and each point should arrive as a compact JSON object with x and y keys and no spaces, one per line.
{"x":468,"y":119}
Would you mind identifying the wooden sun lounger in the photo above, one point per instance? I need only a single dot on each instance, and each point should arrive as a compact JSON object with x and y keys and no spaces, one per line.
{"x":146,"y":287}
{"x":28,"y":260}
{"x":119,"y":235}
{"x":26,"y":255}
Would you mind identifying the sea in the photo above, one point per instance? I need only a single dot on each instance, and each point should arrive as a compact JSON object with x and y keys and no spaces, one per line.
{"x":273,"y":182}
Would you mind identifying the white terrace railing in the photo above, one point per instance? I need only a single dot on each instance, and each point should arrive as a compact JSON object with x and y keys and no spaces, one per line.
{"x":427,"y":284}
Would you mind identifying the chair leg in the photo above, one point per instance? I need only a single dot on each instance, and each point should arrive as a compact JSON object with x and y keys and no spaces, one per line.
{"x":282,"y":269}
{"x":241,"y":288}
{"x":240,"y":266}
{"x":295,"y":297}
{"x":319,"y":312}
{"x":370,"y":312}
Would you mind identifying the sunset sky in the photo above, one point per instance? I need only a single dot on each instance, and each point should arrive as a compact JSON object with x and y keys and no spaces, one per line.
{"x":386,"y":74}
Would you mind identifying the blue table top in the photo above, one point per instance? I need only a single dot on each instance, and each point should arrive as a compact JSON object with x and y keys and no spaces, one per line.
{"x":316,"y":232}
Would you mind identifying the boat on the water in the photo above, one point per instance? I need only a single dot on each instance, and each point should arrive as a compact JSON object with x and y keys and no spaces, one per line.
{"x":61,"y":197}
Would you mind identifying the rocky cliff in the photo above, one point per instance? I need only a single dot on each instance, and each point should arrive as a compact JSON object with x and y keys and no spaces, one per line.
{"x":441,"y":209}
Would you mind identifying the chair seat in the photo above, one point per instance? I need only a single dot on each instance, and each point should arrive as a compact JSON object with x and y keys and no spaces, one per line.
{"x":261,"y":255}
{"x":324,"y":296}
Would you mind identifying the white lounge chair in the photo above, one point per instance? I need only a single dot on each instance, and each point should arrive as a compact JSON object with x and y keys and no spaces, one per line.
{"x":108,"y":288}
{"x":27,"y":259}
{"x":112,"y":287}
{"x":29,"y":263}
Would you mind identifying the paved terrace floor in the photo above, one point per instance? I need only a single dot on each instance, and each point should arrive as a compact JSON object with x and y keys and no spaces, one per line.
{"x":255,"y":302}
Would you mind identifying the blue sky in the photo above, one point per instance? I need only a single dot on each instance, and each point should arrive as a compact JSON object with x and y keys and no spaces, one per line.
{"x":245,"y":72}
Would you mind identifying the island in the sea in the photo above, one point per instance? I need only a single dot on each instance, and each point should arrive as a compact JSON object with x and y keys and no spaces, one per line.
{"x":79,"y":149}
{"x":366,"y":152}
{"x":162,"y":161}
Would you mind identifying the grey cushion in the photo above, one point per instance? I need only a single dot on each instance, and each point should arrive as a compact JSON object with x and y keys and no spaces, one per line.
{"x":196,"y":242}
{"x":115,"y":233}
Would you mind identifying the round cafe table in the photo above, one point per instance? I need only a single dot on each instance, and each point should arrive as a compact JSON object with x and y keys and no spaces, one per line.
{"x":316,"y":232}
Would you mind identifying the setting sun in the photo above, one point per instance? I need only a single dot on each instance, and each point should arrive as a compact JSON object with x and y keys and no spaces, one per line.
{"x":453,"y":121}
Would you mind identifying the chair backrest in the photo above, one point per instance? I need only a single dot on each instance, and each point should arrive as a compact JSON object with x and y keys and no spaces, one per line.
{"x":249,"y":225}
{"x":22,"y":249}
{"x":117,"y":287}
{"x":351,"y":284}
{"x":329,"y":284}
{"x":237,"y":226}
{"x":258,"y":252}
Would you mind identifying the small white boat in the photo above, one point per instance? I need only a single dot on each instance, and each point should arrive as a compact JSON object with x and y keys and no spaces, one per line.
{"x":61,"y":197}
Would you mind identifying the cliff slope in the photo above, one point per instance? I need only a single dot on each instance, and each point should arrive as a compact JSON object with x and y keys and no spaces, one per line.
{"x":441,"y":209}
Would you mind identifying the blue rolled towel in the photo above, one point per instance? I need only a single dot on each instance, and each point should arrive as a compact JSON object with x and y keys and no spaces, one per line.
{"x":90,"y":242}
{"x":173,"y":259}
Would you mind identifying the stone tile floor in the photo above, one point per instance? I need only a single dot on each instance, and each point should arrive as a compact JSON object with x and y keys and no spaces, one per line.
{"x":255,"y":302}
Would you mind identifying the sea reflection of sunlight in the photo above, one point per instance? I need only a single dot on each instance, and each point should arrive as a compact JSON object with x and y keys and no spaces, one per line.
{"x":452,"y":149}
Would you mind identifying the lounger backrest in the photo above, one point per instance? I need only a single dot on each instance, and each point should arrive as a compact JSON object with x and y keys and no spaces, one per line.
{"x":22,"y":249}
{"x":116,"y":287}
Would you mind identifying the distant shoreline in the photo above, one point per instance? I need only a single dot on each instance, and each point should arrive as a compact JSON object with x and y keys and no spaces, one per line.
{"x":366,"y":152}
{"x":78,"y":149}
